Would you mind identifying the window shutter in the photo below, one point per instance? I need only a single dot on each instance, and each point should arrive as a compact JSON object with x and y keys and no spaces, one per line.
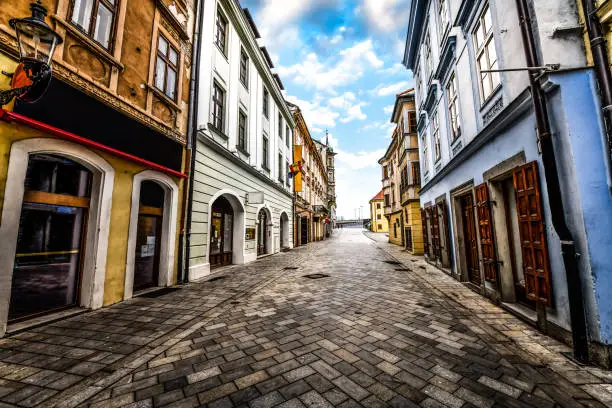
{"x":485,"y":225}
{"x":536,"y":267}
{"x":435,"y":232}
{"x":425,"y":239}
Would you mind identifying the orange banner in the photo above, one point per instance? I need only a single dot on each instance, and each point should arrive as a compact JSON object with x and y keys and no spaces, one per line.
{"x":297,"y":179}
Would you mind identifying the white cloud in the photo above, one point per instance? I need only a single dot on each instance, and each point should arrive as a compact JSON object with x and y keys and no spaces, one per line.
{"x":345,"y":69}
{"x":314,"y":113}
{"x":352,"y":109}
{"x":395,"y":69}
{"x":388,"y":109}
{"x":385,"y":15}
{"x":390,"y":89}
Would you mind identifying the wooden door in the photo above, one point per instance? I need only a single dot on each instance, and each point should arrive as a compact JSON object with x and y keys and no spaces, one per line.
{"x":425,"y":236}
{"x":221,"y":233}
{"x":435,"y":232}
{"x":532,"y":231}
{"x":485,"y":226}
{"x":471,"y":241}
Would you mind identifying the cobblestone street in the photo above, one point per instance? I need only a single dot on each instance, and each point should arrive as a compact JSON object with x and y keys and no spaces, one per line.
{"x":374,"y":333}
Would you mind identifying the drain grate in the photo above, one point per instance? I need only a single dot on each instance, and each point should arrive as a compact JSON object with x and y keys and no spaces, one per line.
{"x":316,"y":276}
{"x":392,"y":262}
{"x":158,"y":293}
{"x":216,"y":278}
{"x":290,"y":268}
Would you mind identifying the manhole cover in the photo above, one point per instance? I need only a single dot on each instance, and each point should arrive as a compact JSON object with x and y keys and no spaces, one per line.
{"x":316,"y":276}
{"x":216,"y":278}
{"x":158,"y":293}
{"x":290,"y":268}
{"x":392,"y":262}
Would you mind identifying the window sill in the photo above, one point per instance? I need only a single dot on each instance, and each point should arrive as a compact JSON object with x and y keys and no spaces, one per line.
{"x":485,"y":104}
{"x":243,"y":151}
{"x":217,"y":131}
{"x":164,"y":97}
{"x":92,"y":44}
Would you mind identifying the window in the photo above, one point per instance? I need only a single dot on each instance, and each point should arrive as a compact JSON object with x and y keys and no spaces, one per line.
{"x":385,"y":172}
{"x":96,"y":18}
{"x":280,"y":167}
{"x":244,"y":68}
{"x":425,"y":154}
{"x":453,"y":108}
{"x":378,"y":216}
{"x":412,"y":122}
{"x":287,"y":136}
{"x":218,"y":107}
{"x":221,"y":34}
{"x":435,"y":124}
{"x":419,"y":82}
{"x":444,"y":20}
{"x":242,"y":131}
{"x":387,"y":200}
{"x":266,"y":103}
{"x":416,"y":174}
{"x":280,"y":126}
{"x":379,"y":226}
{"x":265,"y":161}
{"x":378,"y":206}
{"x":166,"y":68}
{"x":486,"y":56}
{"x":428,"y":57}
{"x":287,"y":180}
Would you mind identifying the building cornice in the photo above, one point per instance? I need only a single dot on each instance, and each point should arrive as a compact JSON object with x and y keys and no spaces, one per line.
{"x":209,"y":142}
{"x":413,"y":36}
{"x":446,"y":57}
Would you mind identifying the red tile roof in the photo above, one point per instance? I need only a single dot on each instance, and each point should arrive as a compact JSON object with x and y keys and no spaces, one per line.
{"x":379,"y":196}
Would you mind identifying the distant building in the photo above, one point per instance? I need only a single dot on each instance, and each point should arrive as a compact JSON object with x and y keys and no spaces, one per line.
{"x":378,"y":221}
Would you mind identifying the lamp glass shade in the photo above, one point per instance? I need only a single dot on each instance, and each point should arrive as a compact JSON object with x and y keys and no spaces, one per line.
{"x":36,"y":39}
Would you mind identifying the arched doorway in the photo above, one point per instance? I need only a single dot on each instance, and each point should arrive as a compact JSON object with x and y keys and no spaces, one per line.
{"x":221,"y":233}
{"x":148,"y":235}
{"x":51,"y":239}
{"x":262,"y":232}
{"x":284,"y":231}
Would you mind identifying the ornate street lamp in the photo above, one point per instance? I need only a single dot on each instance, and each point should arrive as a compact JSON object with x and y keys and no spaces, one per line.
{"x":36,"y":41}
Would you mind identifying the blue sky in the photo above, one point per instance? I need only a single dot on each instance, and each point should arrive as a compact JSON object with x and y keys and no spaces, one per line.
{"x":340,"y":62}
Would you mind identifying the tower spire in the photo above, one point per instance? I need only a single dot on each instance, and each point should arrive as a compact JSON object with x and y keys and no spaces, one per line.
{"x":326,"y":138}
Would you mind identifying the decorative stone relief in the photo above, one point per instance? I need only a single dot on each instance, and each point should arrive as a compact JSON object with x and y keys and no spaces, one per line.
{"x":493,"y":111}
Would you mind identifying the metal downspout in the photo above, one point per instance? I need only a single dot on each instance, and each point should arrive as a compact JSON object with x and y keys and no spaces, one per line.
{"x":192,"y":127}
{"x":604,"y":76}
{"x":568,"y":248}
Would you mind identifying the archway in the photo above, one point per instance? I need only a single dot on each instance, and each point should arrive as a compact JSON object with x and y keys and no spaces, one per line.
{"x":263,"y":231}
{"x":226,"y":229}
{"x":284,"y":231}
{"x":221,"y":233}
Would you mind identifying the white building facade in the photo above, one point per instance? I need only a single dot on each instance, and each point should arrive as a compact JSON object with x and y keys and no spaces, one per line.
{"x":485,"y":185}
{"x":242,"y":200}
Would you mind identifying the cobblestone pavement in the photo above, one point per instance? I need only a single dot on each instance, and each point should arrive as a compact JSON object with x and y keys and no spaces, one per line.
{"x":383,"y":329}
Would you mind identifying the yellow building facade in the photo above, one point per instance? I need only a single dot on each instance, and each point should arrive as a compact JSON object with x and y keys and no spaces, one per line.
{"x":401,"y":178}
{"x":92,"y":174}
{"x":378,"y":221}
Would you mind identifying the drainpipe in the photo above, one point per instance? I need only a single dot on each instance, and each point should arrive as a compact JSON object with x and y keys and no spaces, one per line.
{"x":568,"y":247}
{"x":602,"y":69}
{"x":192,"y":126}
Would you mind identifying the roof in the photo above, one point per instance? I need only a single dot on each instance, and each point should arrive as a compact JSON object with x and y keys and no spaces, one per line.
{"x":379,"y":196}
{"x":406,"y":93}
{"x":400,"y":98}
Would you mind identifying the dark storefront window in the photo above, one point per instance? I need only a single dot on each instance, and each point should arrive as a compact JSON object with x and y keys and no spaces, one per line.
{"x":47,"y":266}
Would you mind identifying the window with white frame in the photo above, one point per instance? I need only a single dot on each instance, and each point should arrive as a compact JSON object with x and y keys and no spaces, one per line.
{"x":280,"y":126}
{"x":287,"y":136}
{"x":218,"y":109}
{"x":427,"y":56}
{"x":486,"y":56}
{"x":265,"y":161}
{"x":96,"y":18}
{"x":166,"y":68}
{"x":221,"y":34}
{"x":425,"y":154}
{"x":435,"y":128}
{"x":242,"y":131}
{"x":244,"y":68}
{"x":443,"y":17}
{"x":266,"y":103}
{"x":453,"y":108}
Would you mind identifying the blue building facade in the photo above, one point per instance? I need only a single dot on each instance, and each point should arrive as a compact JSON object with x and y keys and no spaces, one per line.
{"x":484,"y":198}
